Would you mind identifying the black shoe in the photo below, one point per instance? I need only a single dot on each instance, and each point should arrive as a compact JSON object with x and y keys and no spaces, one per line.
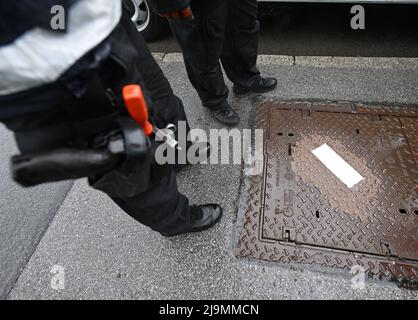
{"x":226,"y":115}
{"x":263,"y":85}
{"x":202,"y":152}
{"x":201,"y":218}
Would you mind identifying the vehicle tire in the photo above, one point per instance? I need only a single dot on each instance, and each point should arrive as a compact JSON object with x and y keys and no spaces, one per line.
{"x":150,"y":24}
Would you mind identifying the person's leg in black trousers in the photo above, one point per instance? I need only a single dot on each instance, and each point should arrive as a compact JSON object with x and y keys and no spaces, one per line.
{"x":240,"y":47}
{"x":226,"y":30}
{"x":201,"y":41}
{"x":240,"y":51}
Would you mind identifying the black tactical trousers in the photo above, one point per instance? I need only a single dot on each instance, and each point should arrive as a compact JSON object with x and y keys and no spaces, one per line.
{"x":225,"y":30}
{"x":161,"y":206}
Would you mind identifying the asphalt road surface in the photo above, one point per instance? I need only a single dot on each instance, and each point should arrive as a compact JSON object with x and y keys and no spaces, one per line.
{"x":324,"y":30}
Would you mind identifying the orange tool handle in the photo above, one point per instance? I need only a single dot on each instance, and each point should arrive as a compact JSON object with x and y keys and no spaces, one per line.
{"x":137,"y":107}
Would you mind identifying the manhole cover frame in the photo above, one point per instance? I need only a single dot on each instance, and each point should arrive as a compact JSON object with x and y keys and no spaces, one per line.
{"x":252,"y":244}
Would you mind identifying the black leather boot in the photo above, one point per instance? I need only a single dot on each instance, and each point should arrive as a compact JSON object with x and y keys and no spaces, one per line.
{"x":263,"y":85}
{"x":226,"y":115}
{"x":201,"y":218}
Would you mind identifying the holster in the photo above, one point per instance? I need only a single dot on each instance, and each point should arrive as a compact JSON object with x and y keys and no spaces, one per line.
{"x":118,"y":162}
{"x":133,"y":175}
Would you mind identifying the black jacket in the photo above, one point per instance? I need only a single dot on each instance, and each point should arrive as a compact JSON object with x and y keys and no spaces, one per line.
{"x":167,"y":6}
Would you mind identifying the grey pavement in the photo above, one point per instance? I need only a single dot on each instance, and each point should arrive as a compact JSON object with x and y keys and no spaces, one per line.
{"x":24,"y":216}
{"x":106,"y":255}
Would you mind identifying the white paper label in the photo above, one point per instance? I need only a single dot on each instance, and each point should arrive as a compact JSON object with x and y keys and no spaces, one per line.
{"x":337,"y":165}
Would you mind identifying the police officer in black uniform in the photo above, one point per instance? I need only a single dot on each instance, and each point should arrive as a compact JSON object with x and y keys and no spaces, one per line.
{"x":225,"y":30}
{"x":65,"y":96}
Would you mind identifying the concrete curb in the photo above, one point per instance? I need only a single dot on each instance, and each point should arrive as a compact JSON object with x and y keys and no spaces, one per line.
{"x":276,"y":60}
{"x":358,"y":62}
{"x":317,"y":61}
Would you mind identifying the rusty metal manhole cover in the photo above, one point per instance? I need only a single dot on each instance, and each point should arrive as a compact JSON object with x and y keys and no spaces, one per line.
{"x":305,"y":209}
